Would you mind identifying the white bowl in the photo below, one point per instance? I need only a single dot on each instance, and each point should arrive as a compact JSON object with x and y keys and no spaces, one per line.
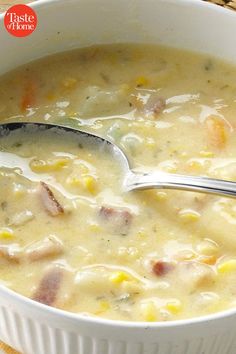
{"x":33,"y":328}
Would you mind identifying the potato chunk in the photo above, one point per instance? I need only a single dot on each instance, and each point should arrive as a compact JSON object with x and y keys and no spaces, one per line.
{"x":49,"y":247}
{"x":11,"y":253}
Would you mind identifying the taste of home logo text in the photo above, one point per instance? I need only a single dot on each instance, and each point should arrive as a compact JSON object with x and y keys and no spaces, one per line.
{"x":20,"y":20}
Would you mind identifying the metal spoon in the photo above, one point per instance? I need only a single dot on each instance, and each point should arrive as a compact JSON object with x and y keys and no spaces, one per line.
{"x":134,"y":180}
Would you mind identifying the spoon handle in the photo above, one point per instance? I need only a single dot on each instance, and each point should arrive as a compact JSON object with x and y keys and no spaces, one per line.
{"x":163,"y":180}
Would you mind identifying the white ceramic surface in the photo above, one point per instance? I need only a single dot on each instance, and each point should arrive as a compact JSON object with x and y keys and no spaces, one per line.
{"x":64,"y":24}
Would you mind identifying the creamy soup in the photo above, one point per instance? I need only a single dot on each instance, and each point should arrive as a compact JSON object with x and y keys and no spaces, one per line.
{"x":70,"y":237}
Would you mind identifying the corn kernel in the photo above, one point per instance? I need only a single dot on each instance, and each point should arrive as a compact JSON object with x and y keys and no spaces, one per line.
{"x":227,"y":266}
{"x":142,"y":81}
{"x":174,"y":306}
{"x":188,"y":215}
{"x":6,"y":233}
{"x":204,"y":153}
{"x":119,"y":277}
{"x":41,"y":166}
{"x":149,"y":312}
{"x":90,"y":184}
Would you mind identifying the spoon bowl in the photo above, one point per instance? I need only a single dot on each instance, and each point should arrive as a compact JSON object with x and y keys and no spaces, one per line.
{"x":133,"y":180}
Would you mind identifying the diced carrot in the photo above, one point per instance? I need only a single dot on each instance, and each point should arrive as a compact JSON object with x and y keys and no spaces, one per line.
{"x":29,"y":96}
{"x":210,"y":260}
{"x":216,"y":132}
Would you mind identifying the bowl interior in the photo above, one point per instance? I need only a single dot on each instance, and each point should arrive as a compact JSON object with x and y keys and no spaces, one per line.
{"x":63,"y":25}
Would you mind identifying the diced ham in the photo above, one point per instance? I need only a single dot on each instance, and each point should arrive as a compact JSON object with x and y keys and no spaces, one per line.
{"x":154,"y":105}
{"x":49,"y":287}
{"x":191,"y":274}
{"x":111,"y":213}
{"x":162,"y":268}
{"x":119,"y":219}
{"x":152,"y":108}
{"x":50,"y":203}
{"x":49,"y":247}
{"x":11,"y":253}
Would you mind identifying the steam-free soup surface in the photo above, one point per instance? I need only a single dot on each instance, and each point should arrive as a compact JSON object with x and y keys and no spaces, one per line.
{"x":69,"y":235}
